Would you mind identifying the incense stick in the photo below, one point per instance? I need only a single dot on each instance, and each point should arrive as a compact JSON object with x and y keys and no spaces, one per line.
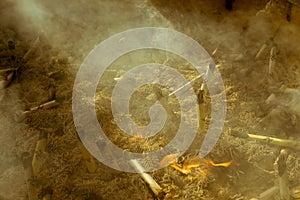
{"x":182,"y":87}
{"x":154,"y":186}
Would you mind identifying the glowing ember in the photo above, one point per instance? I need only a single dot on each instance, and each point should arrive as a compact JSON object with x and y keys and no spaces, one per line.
{"x":225,"y":164}
{"x":135,"y":138}
{"x":184,"y":170}
{"x":139,"y":138}
{"x":195,"y":162}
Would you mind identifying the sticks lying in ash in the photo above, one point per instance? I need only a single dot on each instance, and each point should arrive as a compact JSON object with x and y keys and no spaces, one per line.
{"x":269,"y":140}
{"x":260,"y":51}
{"x":88,"y":159}
{"x":86,"y":155}
{"x":40,"y":149}
{"x":272,"y":61}
{"x":46,"y":193}
{"x":9,"y":74}
{"x":283,"y":182}
{"x":283,"y":176}
{"x":185,"y":85}
{"x":154,"y":186}
{"x":280,"y":163}
{"x":268,"y":194}
{"x":25,"y":57}
{"x":7,"y":79}
{"x":19,"y":116}
{"x":26,"y":160}
{"x":272,"y":58}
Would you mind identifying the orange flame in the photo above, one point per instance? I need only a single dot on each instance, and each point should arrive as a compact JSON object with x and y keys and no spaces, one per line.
{"x":195,"y":162}
{"x":140,"y":139}
{"x":184,"y":170}
{"x":225,"y":164}
{"x":136,"y":137}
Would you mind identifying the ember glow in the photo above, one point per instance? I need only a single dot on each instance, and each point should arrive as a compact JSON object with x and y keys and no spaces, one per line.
{"x":195,"y":162}
{"x":225,"y":164}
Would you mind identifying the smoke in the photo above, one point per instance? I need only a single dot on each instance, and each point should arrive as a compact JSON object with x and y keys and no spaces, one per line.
{"x":19,"y":21}
{"x":32,"y":12}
